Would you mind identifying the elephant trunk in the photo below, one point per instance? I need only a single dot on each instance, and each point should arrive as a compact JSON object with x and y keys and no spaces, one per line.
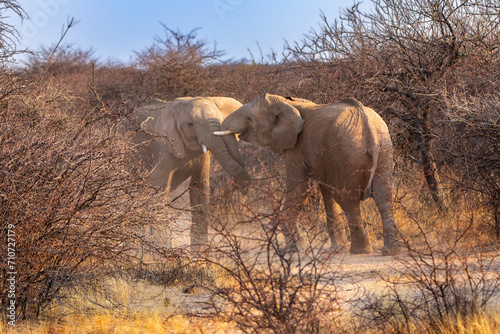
{"x":225,"y":150}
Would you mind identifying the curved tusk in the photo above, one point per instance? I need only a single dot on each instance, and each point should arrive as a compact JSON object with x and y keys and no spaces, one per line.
{"x":223,"y":133}
{"x":204,"y":148}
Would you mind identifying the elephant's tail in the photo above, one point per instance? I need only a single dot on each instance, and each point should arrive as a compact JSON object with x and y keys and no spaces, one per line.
{"x":367,"y":192}
{"x":373,"y":152}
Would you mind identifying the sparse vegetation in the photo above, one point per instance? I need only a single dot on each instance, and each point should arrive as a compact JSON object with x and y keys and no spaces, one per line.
{"x":89,"y":247}
{"x":439,"y":280}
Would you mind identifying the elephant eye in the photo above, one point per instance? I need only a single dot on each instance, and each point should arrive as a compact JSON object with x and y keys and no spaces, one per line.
{"x":190,"y":124}
{"x":274,"y":122}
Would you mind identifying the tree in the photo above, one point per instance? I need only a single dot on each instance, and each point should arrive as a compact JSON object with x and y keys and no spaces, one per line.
{"x":176,"y":64}
{"x":60,"y":60}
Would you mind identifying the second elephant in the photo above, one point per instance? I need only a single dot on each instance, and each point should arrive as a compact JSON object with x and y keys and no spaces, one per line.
{"x":173,"y":140}
{"x":345,"y":146}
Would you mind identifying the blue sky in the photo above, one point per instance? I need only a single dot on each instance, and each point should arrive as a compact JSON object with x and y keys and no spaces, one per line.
{"x":116,"y":28}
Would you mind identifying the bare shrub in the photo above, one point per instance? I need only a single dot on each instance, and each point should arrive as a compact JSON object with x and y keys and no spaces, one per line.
{"x":474,"y":151}
{"x":63,"y":61}
{"x":120,"y":84}
{"x":69,"y":189}
{"x":176,"y":64}
{"x":268,"y":289}
{"x":442,"y":278}
{"x":245,"y":82}
{"x":265,"y":288}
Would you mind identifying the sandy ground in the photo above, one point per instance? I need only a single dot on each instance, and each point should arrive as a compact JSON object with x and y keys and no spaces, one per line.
{"x":358,"y":278}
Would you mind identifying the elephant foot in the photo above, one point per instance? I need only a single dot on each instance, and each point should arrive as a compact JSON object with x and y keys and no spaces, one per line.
{"x":359,"y":241}
{"x":361,"y":249}
{"x":339,"y":243}
{"x":392,"y":247}
{"x":339,"y":249}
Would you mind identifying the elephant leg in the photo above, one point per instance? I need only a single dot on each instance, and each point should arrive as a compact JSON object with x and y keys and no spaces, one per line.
{"x":382,"y":194}
{"x":199,"y":195}
{"x":334,"y":222}
{"x":359,"y":238}
{"x":166,"y":193}
{"x":296,"y":195}
{"x":294,"y":204}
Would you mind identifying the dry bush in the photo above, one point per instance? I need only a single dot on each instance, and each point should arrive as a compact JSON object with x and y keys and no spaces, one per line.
{"x":438,"y":280}
{"x":70,"y":192}
{"x":473,"y":125}
{"x":120,"y":84}
{"x":70,"y":73}
{"x":65,"y":61}
{"x":176,"y":64}
{"x":246,"y":82}
{"x":267,"y":288}
{"x":180,"y":64}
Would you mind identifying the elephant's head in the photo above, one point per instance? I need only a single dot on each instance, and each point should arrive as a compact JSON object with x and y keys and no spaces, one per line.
{"x":187,"y":126}
{"x":266,"y":121}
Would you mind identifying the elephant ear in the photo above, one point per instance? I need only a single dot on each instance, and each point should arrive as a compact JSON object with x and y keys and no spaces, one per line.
{"x":165,"y":127}
{"x":288,"y":125}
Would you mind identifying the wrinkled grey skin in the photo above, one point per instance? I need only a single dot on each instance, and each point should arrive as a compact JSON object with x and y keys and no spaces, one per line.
{"x":170,"y":138}
{"x":345,"y":146}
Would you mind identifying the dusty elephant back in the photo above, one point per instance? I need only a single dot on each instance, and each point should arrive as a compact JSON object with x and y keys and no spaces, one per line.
{"x":346,"y":141}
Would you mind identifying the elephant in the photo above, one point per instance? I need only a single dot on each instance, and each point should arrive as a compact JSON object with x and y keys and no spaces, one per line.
{"x":173,"y":140}
{"x":345,"y":146}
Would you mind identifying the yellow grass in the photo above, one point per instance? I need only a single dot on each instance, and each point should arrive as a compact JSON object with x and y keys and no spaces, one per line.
{"x":157,"y":323}
{"x":143,"y":310}
{"x":138,"y":323}
{"x":480,"y":324}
